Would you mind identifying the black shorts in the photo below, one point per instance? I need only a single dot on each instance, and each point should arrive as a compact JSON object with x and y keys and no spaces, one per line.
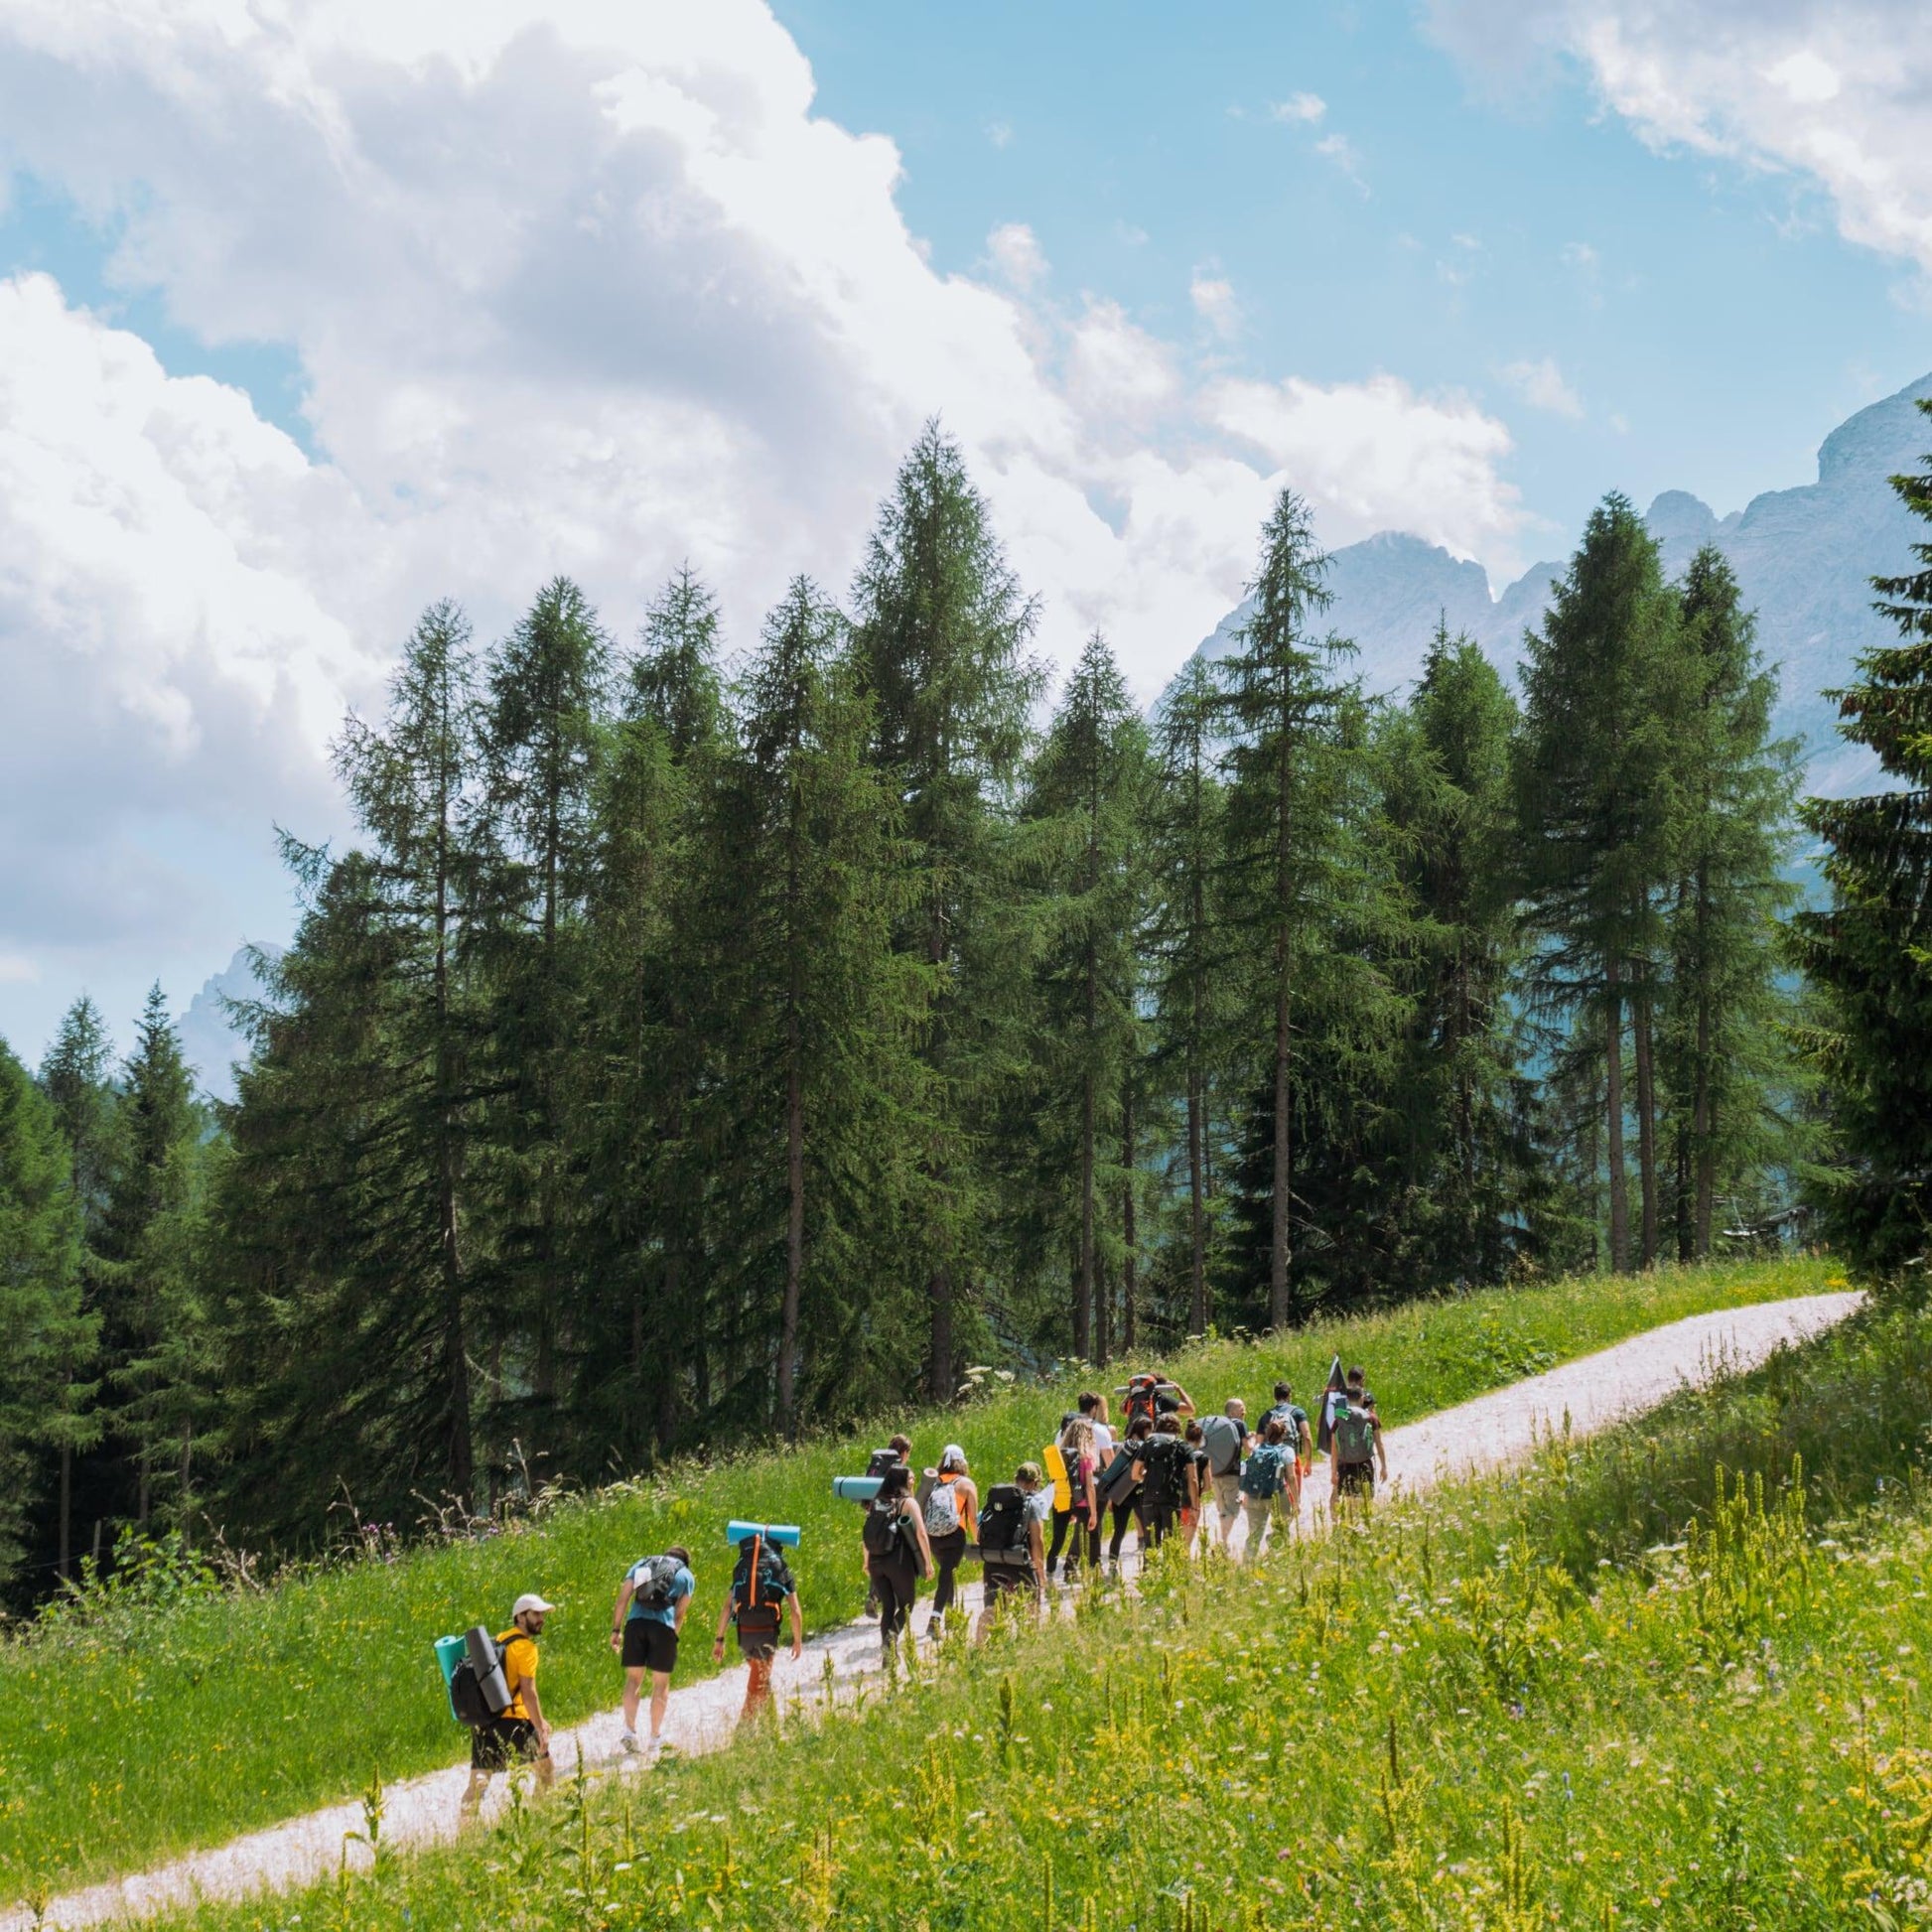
{"x":503,"y":1742}
{"x":649,"y":1645}
{"x":757,"y":1635}
{"x":1009,"y":1580}
{"x":1355,"y":1479}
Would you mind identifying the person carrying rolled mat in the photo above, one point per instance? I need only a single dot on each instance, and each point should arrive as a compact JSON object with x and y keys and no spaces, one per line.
{"x":1082,"y":1512}
{"x":1014,"y":1546}
{"x":520,"y":1733}
{"x":759,"y":1583}
{"x":645,"y":1623}
{"x":1225,"y":1437}
{"x":897,"y":1554}
{"x":1167,"y":1481}
{"x":1124,"y":1492}
{"x":952,"y":1522}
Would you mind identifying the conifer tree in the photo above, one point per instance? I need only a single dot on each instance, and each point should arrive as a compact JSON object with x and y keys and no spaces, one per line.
{"x":1871,"y":951}
{"x":543,"y":714}
{"x":1605,"y":693}
{"x":48,"y":1333}
{"x":1089,"y":804}
{"x":817,"y":1108}
{"x":941,"y":640}
{"x":1725,"y":1053}
{"x":1289,"y":774}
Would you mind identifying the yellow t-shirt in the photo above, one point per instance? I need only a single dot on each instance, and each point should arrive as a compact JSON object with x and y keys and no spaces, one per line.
{"x":519,"y":1667}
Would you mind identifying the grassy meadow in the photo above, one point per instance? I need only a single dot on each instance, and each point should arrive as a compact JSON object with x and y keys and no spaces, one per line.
{"x":1510,"y":1705}
{"x":190,"y":1713}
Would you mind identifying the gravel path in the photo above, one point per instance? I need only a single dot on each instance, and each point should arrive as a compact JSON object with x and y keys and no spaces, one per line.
{"x":1589,"y":1393}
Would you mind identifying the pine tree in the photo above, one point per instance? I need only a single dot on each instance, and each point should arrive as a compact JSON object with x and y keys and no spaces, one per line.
{"x":48,"y":1333}
{"x":1290,"y":770}
{"x":817,"y":1109}
{"x":1088,"y":806}
{"x":352,"y":1246}
{"x":1191,"y":943}
{"x":76,"y":1077}
{"x":1871,"y":951}
{"x":543,"y":717}
{"x":941,"y":633}
{"x":1605,"y":694}
{"x":1727,"y":1015}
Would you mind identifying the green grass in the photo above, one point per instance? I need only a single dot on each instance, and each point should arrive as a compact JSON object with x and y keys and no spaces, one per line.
{"x":151,"y":1728}
{"x":1502,"y":1708}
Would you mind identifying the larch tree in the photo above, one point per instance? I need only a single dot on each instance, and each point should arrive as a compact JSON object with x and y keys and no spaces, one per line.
{"x":941,"y":631}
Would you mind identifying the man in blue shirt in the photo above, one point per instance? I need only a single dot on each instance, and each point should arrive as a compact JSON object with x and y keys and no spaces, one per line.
{"x":644,"y":1624}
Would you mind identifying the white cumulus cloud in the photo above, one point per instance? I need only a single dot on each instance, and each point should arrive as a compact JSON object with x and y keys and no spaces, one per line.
{"x":1541,"y":385}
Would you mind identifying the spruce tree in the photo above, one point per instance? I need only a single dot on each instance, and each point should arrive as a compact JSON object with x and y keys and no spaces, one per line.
{"x":941,"y":640}
{"x":48,"y":1333}
{"x":1088,"y":807}
{"x":1726,"y":1016}
{"x":1606,"y":690}
{"x":1871,"y":951}
{"x":1289,"y":771}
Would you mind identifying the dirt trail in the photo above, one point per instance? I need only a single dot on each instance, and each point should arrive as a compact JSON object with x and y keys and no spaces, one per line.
{"x":1590,"y":1394}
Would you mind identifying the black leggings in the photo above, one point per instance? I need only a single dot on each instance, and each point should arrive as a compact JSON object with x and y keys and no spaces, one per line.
{"x":1064,"y":1520}
{"x":897,"y":1584}
{"x":946,"y":1553}
{"x":1157,"y":1524}
{"x":1123,"y":1515}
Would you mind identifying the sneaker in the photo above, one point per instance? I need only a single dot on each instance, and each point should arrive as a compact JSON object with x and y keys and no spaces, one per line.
{"x":631,"y":1741}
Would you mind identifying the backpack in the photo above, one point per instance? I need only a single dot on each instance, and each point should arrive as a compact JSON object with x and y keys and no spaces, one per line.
{"x":1115,"y":1483}
{"x":1003,"y":1525}
{"x":1261,"y":1475}
{"x":879,"y":1461}
{"x":1139,"y":1396}
{"x":1295,"y":1420}
{"x":656,"y":1579}
{"x":884,"y":1528}
{"x":942,"y":1508}
{"x":1223,"y":1438}
{"x":1354,"y":1436}
{"x":468,"y":1697}
{"x":759,"y":1583}
{"x":1163,"y":1457}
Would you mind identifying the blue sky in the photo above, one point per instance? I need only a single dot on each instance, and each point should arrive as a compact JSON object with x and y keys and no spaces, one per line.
{"x":311,"y":314}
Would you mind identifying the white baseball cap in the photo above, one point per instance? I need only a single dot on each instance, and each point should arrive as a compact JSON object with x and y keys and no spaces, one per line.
{"x":530,"y":1601}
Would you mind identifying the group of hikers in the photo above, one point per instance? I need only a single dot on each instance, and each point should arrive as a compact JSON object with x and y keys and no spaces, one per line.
{"x":1166,"y":1472}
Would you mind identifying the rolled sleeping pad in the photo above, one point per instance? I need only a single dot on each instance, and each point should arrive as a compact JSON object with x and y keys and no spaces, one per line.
{"x":785,"y":1533}
{"x":487,"y":1662}
{"x":856,"y":1489}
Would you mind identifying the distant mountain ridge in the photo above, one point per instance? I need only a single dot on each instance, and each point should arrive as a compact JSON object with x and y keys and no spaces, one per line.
{"x":209,"y":1043}
{"x":1803,"y":557}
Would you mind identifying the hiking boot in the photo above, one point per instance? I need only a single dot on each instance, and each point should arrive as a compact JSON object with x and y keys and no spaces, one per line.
{"x":630,"y":1742}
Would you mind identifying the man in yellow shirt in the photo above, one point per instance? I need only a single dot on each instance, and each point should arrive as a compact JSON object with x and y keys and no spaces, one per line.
{"x":519,"y":1732}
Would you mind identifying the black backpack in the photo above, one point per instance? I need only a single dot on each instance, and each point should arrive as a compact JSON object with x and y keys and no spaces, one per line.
{"x":1003,"y":1525}
{"x":1163,"y":1457}
{"x":1115,"y":1483}
{"x":885,"y":1527}
{"x":879,"y":1461}
{"x":1140,"y":1391}
{"x":467,"y":1698}
{"x":759,"y":1583}
{"x":654,"y":1587}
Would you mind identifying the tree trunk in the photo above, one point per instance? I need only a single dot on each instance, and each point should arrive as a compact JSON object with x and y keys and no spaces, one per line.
{"x":1613,"y":1122}
{"x":67,"y":1507}
{"x":1646,"y":1128}
{"x":794,"y":1227}
{"x":1083,"y":1281}
{"x":1278,"y":1244}
{"x":1704,"y":1128}
{"x":1196,"y":1211}
{"x":1129,"y":1232}
{"x":460,"y":1459}
{"x":939,"y":1294}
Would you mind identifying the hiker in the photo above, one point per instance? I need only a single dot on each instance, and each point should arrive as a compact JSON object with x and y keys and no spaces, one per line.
{"x":952,"y":1522}
{"x":897,"y":1451}
{"x":1093,"y":1406}
{"x":1012,"y":1547}
{"x":1119,"y":1487}
{"x":761,"y":1582}
{"x":1271,"y":1486}
{"x":1167,"y":1481}
{"x":645,"y":1622}
{"x":1154,"y":1395}
{"x":1295,"y":1420}
{"x":1198,"y":1490}
{"x":1225,"y":1437}
{"x":1356,"y":1451}
{"x":1080,"y":1513}
{"x":897,"y":1555}
{"x":519,"y":1732}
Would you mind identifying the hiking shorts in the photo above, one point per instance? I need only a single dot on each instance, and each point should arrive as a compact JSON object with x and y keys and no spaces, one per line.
{"x":1355,"y":1480}
{"x":757,"y":1638}
{"x":503,"y":1742}
{"x":649,"y":1645}
{"x":1227,"y":1496}
{"x":1010,"y":1579}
